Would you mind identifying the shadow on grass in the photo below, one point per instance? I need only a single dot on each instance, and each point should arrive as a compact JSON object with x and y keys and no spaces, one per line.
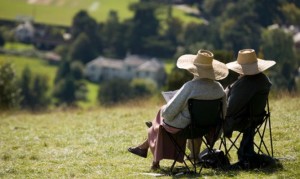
{"x":228,"y":171}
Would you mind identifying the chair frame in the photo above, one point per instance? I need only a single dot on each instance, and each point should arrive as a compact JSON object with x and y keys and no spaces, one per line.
{"x":258,"y":146}
{"x":192,"y":132}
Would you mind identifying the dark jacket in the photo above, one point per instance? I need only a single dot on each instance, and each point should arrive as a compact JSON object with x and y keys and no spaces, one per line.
{"x":239,"y":95}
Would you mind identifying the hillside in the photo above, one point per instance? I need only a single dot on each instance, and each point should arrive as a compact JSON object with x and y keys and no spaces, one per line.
{"x":61,"y":12}
{"x":93,"y":143}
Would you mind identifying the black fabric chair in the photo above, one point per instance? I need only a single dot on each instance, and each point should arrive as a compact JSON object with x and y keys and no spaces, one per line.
{"x":206,"y":118}
{"x":258,"y":117}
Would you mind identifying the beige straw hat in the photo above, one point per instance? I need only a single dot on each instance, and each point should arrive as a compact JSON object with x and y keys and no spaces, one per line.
{"x":203,"y":65}
{"x":248,"y":64}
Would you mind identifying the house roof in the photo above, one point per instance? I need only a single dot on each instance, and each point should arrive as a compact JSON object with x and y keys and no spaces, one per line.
{"x":151,"y":66}
{"x":107,"y":62}
{"x":135,"y":60}
{"x":296,"y":37}
{"x":26,"y":25}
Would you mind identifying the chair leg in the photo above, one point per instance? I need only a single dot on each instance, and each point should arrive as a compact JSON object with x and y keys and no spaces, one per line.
{"x":261,"y":135}
{"x":271,"y":137}
{"x":179,"y":151}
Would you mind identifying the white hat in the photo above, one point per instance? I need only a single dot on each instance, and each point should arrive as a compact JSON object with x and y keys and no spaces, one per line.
{"x":248,"y":64}
{"x":203,"y":65}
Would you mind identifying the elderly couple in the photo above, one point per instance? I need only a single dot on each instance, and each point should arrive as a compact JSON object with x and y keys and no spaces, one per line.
{"x":174,"y":116}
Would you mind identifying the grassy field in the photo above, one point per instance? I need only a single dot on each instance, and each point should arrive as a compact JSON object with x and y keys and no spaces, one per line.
{"x":93,"y":143}
{"x":62,"y":11}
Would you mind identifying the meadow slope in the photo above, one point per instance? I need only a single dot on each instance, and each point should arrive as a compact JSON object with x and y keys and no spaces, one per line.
{"x":61,"y":12}
{"x":93,"y":143}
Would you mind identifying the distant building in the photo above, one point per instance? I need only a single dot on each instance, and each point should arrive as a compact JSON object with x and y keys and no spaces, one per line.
{"x":133,"y":66}
{"x":24,"y":32}
{"x":296,"y":39}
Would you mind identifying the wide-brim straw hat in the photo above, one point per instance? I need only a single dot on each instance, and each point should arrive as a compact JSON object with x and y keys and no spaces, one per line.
{"x":203,"y":65}
{"x":248,"y":64}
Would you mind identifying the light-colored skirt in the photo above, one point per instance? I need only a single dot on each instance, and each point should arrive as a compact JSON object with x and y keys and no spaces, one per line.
{"x":159,"y":142}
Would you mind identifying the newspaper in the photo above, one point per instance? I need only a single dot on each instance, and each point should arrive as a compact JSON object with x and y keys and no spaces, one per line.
{"x":168,"y":95}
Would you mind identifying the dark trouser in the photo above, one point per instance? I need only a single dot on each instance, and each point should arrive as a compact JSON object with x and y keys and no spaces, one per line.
{"x":246,"y":148}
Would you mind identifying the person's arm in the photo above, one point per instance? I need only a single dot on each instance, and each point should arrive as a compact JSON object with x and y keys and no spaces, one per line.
{"x":176,"y":104}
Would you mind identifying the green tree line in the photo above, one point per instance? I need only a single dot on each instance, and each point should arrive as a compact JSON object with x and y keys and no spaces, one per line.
{"x":225,"y":28}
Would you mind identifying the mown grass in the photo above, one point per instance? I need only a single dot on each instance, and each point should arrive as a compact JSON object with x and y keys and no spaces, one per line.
{"x":37,"y":66}
{"x":61,"y":12}
{"x":93,"y":143}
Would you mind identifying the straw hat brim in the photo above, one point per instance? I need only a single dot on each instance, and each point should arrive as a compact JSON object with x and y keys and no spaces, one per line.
{"x":216,"y":71}
{"x":251,"y":69}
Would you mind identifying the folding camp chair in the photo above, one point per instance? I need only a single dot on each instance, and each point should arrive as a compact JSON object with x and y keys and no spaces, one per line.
{"x":259,"y":116}
{"x":206,"y":115}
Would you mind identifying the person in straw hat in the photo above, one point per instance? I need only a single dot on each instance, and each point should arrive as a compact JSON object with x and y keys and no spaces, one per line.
{"x":174,"y":116}
{"x":251,"y":81}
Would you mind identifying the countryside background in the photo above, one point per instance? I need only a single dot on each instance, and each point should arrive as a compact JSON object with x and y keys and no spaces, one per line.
{"x":45,"y":133}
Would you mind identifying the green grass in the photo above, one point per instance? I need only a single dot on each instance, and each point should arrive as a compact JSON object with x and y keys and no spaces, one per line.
{"x":36,"y":65}
{"x":93,"y":143}
{"x":61,"y":12}
{"x":17,"y":46}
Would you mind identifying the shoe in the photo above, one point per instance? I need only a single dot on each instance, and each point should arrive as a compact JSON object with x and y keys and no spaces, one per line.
{"x":155,"y":166}
{"x":138,"y":151}
{"x":148,"y":124}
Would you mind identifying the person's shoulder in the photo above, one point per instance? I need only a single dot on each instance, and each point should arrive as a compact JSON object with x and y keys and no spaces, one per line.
{"x":200,"y":82}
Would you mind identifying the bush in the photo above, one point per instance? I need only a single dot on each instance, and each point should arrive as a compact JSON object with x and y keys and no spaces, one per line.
{"x":115,"y":91}
{"x":2,"y":41}
{"x":9,"y":91}
{"x":142,"y":87}
{"x":177,"y":78}
{"x":34,"y":91}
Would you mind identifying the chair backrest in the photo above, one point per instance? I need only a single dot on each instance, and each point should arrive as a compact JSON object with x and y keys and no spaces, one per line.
{"x":257,"y":107}
{"x":258,"y":103}
{"x":205,"y":114}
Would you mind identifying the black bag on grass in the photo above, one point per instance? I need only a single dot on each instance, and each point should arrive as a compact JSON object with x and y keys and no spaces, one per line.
{"x":214,"y":159}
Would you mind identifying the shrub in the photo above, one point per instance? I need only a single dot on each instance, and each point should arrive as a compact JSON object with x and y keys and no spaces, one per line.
{"x":115,"y":91}
{"x":142,"y":87}
{"x":9,"y":91}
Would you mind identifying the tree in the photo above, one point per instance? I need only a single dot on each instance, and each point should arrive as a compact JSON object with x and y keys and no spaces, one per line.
{"x":9,"y":91}
{"x":177,"y":78}
{"x":174,"y":29}
{"x":291,"y":13}
{"x":25,"y":84}
{"x":34,"y":91}
{"x":82,"y":49}
{"x":268,"y":11}
{"x":76,"y":69}
{"x":114,"y":36}
{"x":69,"y":84}
{"x":85,"y":30}
{"x":234,"y":32}
{"x":144,"y":25}
{"x":40,"y":90}
{"x":2,"y":40}
{"x":65,"y":91}
{"x":278,"y":45}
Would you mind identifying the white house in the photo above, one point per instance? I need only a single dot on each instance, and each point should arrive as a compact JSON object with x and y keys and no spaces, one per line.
{"x":133,"y":66}
{"x":24,"y":32}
